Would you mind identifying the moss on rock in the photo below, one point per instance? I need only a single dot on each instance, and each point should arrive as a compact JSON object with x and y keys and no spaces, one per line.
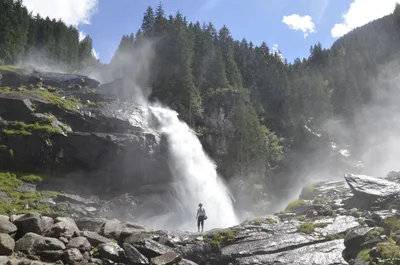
{"x":294,"y":204}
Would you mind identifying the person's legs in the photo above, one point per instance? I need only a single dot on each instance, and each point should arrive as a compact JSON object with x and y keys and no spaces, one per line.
{"x":202,"y":223}
{"x":198,"y":224}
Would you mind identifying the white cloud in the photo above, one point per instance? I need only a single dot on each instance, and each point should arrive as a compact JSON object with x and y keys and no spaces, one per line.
{"x":361,"y":12}
{"x":95,"y":54}
{"x":302,"y":23}
{"x":72,"y":12}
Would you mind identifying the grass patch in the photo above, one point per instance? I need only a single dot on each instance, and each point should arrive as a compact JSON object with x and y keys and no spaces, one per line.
{"x":374,"y":233}
{"x":220,"y":239}
{"x":389,"y":249}
{"x":6,"y":67}
{"x":31,"y":178}
{"x":43,"y":129}
{"x":301,"y":218}
{"x":391,"y":225}
{"x":3,"y":147}
{"x":294,"y":204}
{"x":320,"y":201}
{"x":308,"y":227}
{"x":271,"y":221}
{"x":257,"y":221}
{"x":364,"y":255}
{"x":68,"y":103}
{"x":309,"y":192}
{"x":9,"y":183}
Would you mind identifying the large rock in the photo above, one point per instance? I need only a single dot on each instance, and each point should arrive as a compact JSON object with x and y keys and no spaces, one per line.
{"x":18,"y":77}
{"x":370,"y":187}
{"x":6,"y":226}
{"x":64,"y":227}
{"x":66,"y":80}
{"x":4,"y":260}
{"x":326,"y":253}
{"x":7,"y":245}
{"x":32,"y":222}
{"x":73,"y":256}
{"x":80,"y":243}
{"x":94,"y":238}
{"x":133,"y":255}
{"x":33,"y":244}
{"x":91,"y":224}
{"x":168,"y":258}
{"x":149,"y":248}
{"x":111,"y":251}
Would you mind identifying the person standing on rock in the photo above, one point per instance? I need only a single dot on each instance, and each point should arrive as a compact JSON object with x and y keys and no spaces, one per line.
{"x":201,"y":216}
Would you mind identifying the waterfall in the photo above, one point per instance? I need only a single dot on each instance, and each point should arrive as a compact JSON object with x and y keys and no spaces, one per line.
{"x":196,"y":175}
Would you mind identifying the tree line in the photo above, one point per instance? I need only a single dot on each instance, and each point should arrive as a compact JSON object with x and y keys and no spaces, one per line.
{"x":28,"y":38}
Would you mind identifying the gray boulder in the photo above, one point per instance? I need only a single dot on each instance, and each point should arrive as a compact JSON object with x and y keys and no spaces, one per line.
{"x":80,"y":243}
{"x":326,"y":253}
{"x":32,"y":223}
{"x":111,"y":251}
{"x":371,"y":187}
{"x":94,"y":238}
{"x":4,"y":260}
{"x":151,"y":248}
{"x":72,"y":256}
{"x":133,"y":255}
{"x":33,"y":244}
{"x":91,"y":224}
{"x":168,"y":258}
{"x":7,"y":245}
{"x":6,"y":226}
{"x":63,"y":227}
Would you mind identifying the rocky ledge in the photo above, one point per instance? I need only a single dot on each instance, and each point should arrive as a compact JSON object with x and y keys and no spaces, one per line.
{"x":353,"y":221}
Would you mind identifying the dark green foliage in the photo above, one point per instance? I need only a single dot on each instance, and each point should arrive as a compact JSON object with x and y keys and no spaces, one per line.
{"x":219,"y":239}
{"x":294,"y":204}
{"x":24,"y":37}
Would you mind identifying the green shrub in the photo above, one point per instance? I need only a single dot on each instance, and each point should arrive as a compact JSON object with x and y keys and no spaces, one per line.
{"x":43,"y":129}
{"x":257,"y":221}
{"x":309,"y":192}
{"x":31,"y":178}
{"x":301,"y":218}
{"x":68,"y":103}
{"x":392,"y":225}
{"x":221,"y":238}
{"x":374,"y":233}
{"x":294,"y":204}
{"x":388,"y":249}
{"x":364,"y":255}
{"x":320,"y":201}
{"x":307,"y":228}
{"x":9,"y":183}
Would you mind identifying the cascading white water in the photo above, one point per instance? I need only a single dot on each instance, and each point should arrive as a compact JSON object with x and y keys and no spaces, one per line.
{"x":197,"y":173}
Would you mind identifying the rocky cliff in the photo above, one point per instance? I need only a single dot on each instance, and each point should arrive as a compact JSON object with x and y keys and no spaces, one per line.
{"x":88,"y":141}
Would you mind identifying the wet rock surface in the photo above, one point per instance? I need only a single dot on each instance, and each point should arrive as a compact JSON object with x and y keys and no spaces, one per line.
{"x":324,"y":229}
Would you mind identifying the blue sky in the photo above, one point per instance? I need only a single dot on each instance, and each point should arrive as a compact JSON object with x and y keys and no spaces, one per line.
{"x":292,"y":25}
